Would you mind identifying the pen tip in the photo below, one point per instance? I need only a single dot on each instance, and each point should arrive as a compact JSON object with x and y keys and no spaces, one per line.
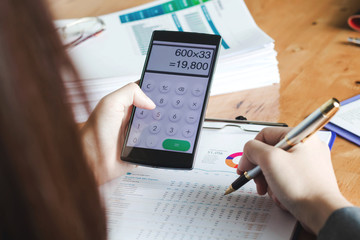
{"x":229,"y":190}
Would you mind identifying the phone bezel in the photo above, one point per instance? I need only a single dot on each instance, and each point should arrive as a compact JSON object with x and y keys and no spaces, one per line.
{"x":171,"y":159}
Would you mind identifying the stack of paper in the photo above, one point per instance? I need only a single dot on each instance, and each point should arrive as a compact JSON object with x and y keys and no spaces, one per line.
{"x":116,"y":57}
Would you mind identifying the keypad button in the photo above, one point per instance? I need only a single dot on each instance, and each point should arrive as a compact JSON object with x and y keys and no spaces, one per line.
{"x":197,"y":90}
{"x":191,"y":117}
{"x":154,"y":128}
{"x":174,"y":115}
{"x":181,"y":89}
{"x":148,"y":86}
{"x":161,"y":100}
{"x":177,"y":102}
{"x":164,"y":87}
{"x":175,"y":144}
{"x":171,"y":129}
{"x":138,"y":126}
{"x":188,"y":131}
{"x":134,"y":139}
{"x":158,"y":114}
{"x":195,"y":103}
{"x":151,"y":141}
{"x":141,"y":113}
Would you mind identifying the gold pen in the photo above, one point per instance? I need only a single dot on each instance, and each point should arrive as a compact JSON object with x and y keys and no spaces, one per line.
{"x":300,"y":133}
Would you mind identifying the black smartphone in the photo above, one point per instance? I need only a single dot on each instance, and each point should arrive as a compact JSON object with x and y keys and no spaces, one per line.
{"x":177,"y":76}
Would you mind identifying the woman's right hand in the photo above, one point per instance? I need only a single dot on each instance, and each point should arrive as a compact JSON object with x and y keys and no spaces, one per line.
{"x":301,"y":180}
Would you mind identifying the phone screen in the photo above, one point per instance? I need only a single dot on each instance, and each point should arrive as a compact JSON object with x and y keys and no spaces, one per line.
{"x":176,"y":79}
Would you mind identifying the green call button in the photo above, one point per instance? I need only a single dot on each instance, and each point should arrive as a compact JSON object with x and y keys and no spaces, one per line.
{"x":177,"y":145}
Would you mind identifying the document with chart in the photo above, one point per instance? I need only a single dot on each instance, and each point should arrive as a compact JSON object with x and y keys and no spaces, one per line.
{"x":149,"y":203}
{"x":116,"y":56}
{"x":121,"y":49}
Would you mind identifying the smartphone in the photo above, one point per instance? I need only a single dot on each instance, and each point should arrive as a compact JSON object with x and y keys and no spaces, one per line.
{"x":177,"y":76}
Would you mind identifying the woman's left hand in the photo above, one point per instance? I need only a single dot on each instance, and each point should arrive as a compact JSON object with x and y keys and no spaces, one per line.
{"x":104,"y":133}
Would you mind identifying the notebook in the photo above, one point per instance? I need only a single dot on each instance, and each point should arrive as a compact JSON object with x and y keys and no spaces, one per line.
{"x":347,"y":121}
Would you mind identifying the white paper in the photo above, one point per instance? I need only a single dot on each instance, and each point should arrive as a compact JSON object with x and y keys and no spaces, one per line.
{"x":348,"y":117}
{"x":119,"y":52}
{"x":152,"y":203}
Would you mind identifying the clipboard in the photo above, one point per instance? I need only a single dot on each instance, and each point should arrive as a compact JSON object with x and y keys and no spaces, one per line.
{"x":243,"y":125}
{"x":341,"y":131}
{"x":245,"y":122}
{"x":255,"y":127}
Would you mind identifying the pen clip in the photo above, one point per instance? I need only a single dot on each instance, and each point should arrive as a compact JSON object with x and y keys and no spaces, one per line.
{"x":219,"y":126}
{"x":244,"y":125}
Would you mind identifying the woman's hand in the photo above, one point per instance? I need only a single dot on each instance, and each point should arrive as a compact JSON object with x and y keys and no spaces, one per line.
{"x":104,"y":132}
{"x":301,"y":180}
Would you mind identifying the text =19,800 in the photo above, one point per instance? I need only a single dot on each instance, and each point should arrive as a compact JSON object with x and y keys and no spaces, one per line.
{"x":192,"y":65}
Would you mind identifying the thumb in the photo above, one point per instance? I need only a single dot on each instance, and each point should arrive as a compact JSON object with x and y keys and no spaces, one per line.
{"x":129,"y":95}
{"x":113,"y":108}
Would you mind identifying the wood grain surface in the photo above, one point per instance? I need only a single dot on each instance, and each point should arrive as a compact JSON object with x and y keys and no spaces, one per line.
{"x":315,"y":64}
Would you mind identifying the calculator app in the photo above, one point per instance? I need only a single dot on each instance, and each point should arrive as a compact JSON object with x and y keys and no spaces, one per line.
{"x":176,"y":79}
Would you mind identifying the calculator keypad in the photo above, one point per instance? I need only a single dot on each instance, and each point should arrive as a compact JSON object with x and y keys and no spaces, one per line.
{"x":173,"y":124}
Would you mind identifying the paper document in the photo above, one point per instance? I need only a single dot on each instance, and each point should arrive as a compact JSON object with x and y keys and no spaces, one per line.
{"x":348,"y":117}
{"x":149,"y":203}
{"x":120,"y":50}
{"x":347,"y":121}
{"x":116,"y":56}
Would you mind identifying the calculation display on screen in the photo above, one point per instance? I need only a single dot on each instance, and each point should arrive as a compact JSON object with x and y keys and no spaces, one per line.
{"x":181,"y":58}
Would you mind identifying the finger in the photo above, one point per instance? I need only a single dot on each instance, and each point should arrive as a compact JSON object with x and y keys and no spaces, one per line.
{"x":255,"y":152}
{"x":272,"y":135}
{"x":244,"y":165}
{"x":254,"y":149}
{"x":261,"y":184}
{"x":130,"y":94}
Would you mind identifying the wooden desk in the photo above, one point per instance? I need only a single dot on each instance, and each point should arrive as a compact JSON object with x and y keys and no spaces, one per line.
{"x":315,"y":63}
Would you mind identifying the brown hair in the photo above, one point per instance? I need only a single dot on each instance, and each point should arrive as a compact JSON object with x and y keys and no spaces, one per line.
{"x":47,"y":190}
